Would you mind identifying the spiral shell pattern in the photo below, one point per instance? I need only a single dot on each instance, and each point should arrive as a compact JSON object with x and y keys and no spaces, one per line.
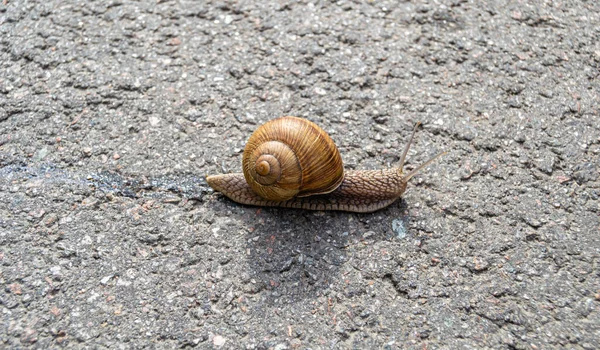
{"x":291,"y":157}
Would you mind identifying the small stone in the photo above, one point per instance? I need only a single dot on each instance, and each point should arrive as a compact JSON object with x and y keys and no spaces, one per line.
{"x":339,"y":329}
{"x":121,"y":282}
{"x":370,"y":150}
{"x":116,"y":156}
{"x":27,"y":298}
{"x":380,"y":119}
{"x":50,"y":219}
{"x":15,"y":288}
{"x":532,"y":221}
{"x":9,"y":302}
{"x":154,"y":121}
{"x":56,"y":273}
{"x":219,"y":340}
{"x":545,"y":164}
{"x":399,"y":228}
{"x":287,"y":265}
{"x":41,"y":154}
{"x":87,"y":151}
{"x":219,"y":273}
{"x":29,"y":336}
{"x":172,"y":200}
{"x":198,"y":313}
{"x":65,"y":220}
{"x":424,"y":333}
{"x":89,"y":201}
{"x":478,"y":265}
{"x":585,"y":172}
{"x":38,"y":214}
{"x":368,"y":234}
{"x":193,"y":115}
{"x":105,"y":279}
{"x":532,"y":236}
{"x":514,"y":102}
{"x":320,"y":91}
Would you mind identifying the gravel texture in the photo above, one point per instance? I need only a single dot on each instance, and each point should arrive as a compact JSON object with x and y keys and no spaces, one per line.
{"x":112,"y":113}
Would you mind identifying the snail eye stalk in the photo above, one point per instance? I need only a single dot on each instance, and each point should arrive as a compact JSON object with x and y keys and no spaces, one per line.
{"x":405,"y":152}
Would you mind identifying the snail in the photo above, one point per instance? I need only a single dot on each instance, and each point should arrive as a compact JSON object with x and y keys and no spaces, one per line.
{"x":291,"y":162}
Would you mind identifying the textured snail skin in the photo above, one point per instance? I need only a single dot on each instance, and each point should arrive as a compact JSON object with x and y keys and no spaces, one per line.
{"x":361,"y":191}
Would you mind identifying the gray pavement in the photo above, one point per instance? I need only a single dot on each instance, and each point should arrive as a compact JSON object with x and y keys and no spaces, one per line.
{"x":112,"y":113}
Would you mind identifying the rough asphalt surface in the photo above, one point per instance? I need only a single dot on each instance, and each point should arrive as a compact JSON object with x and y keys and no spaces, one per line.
{"x":112,"y":113}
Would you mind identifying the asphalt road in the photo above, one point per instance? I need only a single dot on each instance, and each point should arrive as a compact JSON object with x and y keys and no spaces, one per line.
{"x":112,"y":113}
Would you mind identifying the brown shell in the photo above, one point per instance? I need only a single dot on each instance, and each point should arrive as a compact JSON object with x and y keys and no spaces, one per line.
{"x":291,"y":157}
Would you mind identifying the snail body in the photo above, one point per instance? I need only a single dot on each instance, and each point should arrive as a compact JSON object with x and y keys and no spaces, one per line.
{"x":292,"y":163}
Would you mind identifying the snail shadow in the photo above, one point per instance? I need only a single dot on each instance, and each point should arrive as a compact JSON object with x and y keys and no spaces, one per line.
{"x":297,"y":254}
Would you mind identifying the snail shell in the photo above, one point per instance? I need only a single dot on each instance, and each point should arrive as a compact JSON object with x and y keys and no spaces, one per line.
{"x":291,"y":157}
